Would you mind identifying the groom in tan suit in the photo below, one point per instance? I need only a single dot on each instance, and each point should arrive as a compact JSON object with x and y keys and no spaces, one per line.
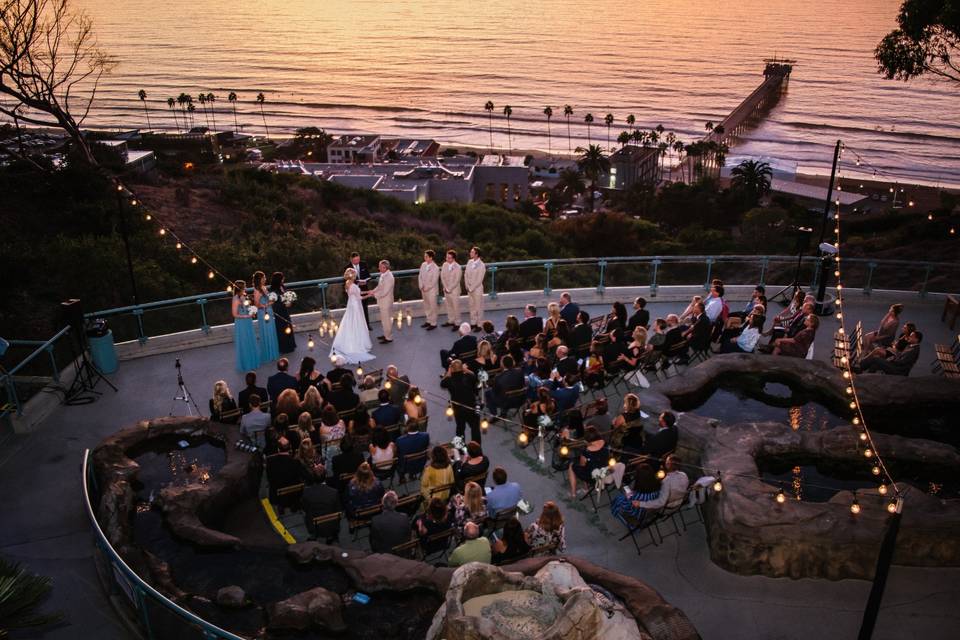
{"x":383,"y":293}
{"x":450,"y":274}
{"x":428,"y":280}
{"x":473,"y":278}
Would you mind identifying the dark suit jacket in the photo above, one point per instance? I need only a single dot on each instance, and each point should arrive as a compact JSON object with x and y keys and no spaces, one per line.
{"x":320,"y":500}
{"x":387,"y":530}
{"x":662,"y":442}
{"x":903,"y":361}
{"x":508,"y":380}
{"x":464,"y":345}
{"x":567,"y":365}
{"x":639,"y":319}
{"x":244,"y":397}
{"x":335,"y":374}
{"x":700,"y":333}
{"x":672,"y":337}
{"x":569,"y":313}
{"x":399,"y":389}
{"x":462,"y":387}
{"x":410,"y":443}
{"x":581,"y":335}
{"x":282,"y":471}
{"x":387,"y":415}
{"x":531,"y":327}
{"x":363,"y":273}
{"x":278,"y":383}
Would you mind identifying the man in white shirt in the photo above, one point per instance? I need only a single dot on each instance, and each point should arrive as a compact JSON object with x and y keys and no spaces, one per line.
{"x":713,"y":304}
{"x":473,"y":278}
{"x":450,"y":279}
{"x":255,"y":423}
{"x":428,"y":281}
{"x":383,"y":293}
{"x":673,"y":487}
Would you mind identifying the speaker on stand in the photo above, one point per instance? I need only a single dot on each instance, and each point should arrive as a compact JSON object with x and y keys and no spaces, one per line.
{"x":83,"y":390}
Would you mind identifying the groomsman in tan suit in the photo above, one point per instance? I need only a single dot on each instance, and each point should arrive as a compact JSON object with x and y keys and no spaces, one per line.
{"x":450,"y":278}
{"x":473,"y":278}
{"x":383,"y":293}
{"x":429,"y":280}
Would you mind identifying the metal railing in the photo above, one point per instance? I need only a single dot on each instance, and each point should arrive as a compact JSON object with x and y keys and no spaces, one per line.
{"x":200,"y":312}
{"x":30,"y":365}
{"x":155,"y":614}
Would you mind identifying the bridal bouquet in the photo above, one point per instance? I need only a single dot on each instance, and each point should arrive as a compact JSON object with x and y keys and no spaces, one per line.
{"x":272,"y":297}
{"x":482,"y":377}
{"x":288,"y":298}
{"x":252,"y":310}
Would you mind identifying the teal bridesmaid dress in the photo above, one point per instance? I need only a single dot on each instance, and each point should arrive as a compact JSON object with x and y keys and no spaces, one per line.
{"x":269,"y":345}
{"x":245,"y":341}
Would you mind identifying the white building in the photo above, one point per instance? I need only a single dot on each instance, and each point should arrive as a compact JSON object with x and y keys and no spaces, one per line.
{"x":354,"y":150}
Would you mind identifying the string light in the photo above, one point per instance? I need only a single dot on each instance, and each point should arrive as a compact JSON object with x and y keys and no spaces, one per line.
{"x":484,"y":424}
{"x":718,"y":483}
{"x":882,"y":489}
{"x":892,"y":506}
{"x":211,"y":275}
{"x":193,"y":259}
{"x":148,"y":217}
{"x":523,"y":438}
{"x":564,"y":451}
{"x":310,"y":343}
{"x":854,"y":506}
{"x":780,"y":496}
{"x":449,"y":411}
{"x":661,"y":474}
{"x":179,"y":246}
{"x":868,"y":453}
{"x":418,"y":399}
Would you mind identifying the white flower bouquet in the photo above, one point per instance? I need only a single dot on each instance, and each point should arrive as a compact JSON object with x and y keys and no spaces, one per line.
{"x":288,"y":298}
{"x":545,"y":421}
{"x":272,"y":297}
{"x":252,"y":310}
{"x":598,"y":475}
{"x":482,"y":377}
{"x":458,"y":443}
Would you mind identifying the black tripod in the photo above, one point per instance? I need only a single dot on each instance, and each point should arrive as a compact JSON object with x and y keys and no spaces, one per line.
{"x":83,"y":391}
{"x":184,"y":394}
{"x":803,"y":243}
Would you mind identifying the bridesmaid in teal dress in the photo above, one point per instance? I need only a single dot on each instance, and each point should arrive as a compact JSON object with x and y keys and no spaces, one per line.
{"x":244,"y":338}
{"x":269,"y":345}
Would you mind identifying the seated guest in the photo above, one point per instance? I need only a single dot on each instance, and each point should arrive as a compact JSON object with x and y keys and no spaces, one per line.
{"x":548,"y":529}
{"x":640,"y":317}
{"x":511,"y":545}
{"x":488,"y":333}
{"x":539,"y":350}
{"x":899,"y":344}
{"x":255,"y":423}
{"x":222,"y":402}
{"x":312,"y":403}
{"x":532,"y":324}
{"x":369,"y":394}
{"x":646,"y":488}
{"x":792,"y":310}
{"x":387,"y":414}
{"x":320,"y":500}
{"x":674,"y":333}
{"x":331,"y":428}
{"x":594,"y":456}
{"x":633,"y":355}
{"x":593,"y":368}
{"x":411,"y":443}
{"x":473,"y":549}
{"x":627,"y":427}
{"x":755,"y":297}
{"x":334,"y":375}
{"x":553,"y":318}
{"x":510,"y":379}
{"x":283,"y":471}
{"x":688,"y":313}
{"x":504,"y":495}
{"x":363,"y":491}
{"x":544,"y":405}
{"x":580,"y":336}
{"x":539,"y":377}
{"x":568,"y":309}
{"x":798,"y":345}
{"x":792,"y":325}
{"x":383,"y":452}
{"x":360,"y":427}
{"x":561,"y":336}
{"x":486,"y":359}
{"x":308,"y":376}
{"x":747,"y":341}
{"x":280,"y":382}
{"x":885,"y":334}
{"x":612,"y":350}
{"x":347,"y":460}
{"x":306,"y":429}
{"x":469,"y":506}
{"x":713,"y":306}
{"x":466,"y":345}
{"x":390,"y":527}
{"x":511,"y":331}
{"x":342,"y":396}
{"x":243,"y":397}
{"x":600,"y":417}
{"x":416,"y":411}
{"x":273,"y":435}
{"x":664,"y":440}
{"x":566,"y":364}
{"x":437,"y":474}
{"x":616,"y":321}
{"x":398,"y":385}
{"x":474,"y":464}
{"x":898,"y":363}
{"x":435,"y":519}
{"x":673,"y":487}
{"x":699,"y":333}
{"x":566,"y":393}
{"x":287,"y":404}
{"x":309,"y":456}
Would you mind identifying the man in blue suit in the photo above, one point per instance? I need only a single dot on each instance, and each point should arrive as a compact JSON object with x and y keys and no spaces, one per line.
{"x":280,"y":381}
{"x":568,"y":309}
{"x":410,"y":443}
{"x":386,"y":415}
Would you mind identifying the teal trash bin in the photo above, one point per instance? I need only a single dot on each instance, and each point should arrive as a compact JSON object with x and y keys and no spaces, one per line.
{"x":102,"y":352}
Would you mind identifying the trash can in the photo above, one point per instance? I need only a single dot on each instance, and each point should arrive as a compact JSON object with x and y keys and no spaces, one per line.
{"x":102,"y":351}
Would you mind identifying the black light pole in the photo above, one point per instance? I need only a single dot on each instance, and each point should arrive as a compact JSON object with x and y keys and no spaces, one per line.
{"x":126,"y":245}
{"x":884,"y":560}
{"x":822,"y":273}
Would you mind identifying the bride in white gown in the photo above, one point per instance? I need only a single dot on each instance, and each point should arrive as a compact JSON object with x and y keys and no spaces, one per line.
{"x":353,"y":338}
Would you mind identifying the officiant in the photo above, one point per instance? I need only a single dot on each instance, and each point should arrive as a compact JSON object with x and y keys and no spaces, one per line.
{"x":363,"y":278}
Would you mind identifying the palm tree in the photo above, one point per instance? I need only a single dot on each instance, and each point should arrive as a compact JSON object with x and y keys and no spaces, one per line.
{"x":489,"y":109}
{"x":662,"y":148}
{"x":592,"y":164}
{"x":624,"y":138}
{"x":569,"y":181}
{"x":508,"y":111}
{"x":202,"y":99}
{"x":671,"y":138}
{"x":589,"y":120}
{"x":548,"y":111}
{"x":182,"y":100}
{"x":752,"y":178}
{"x":21,"y":594}
{"x":171,"y":102}
{"x":608,"y":120}
{"x":191,"y":109}
{"x":631,"y":120}
{"x":678,"y":146}
{"x":232,"y":98}
{"x":211,"y":98}
{"x":143,"y":98}
{"x":568,"y":111}
{"x":260,"y":100}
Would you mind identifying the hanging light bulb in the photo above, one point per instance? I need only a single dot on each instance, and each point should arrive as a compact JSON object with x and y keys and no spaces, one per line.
{"x":661,"y":474}
{"x":840,"y":330}
{"x":892,"y":506}
{"x":611,"y":462}
{"x":875,"y":470}
{"x":210,"y":275}
{"x":863,"y":436}
{"x":780,"y":497}
{"x":839,"y":286}
{"x":846,"y":375}
{"x":179,"y":246}
{"x":359,"y":371}
{"x":843,"y":359}
{"x":849,"y":391}
{"x":418,"y":399}
{"x":854,"y":506}
{"x":839,"y":316}
{"x":836,"y":273}
{"x":929,"y":216}
{"x":868,"y":453}
{"x":882,"y":489}
{"x":246,"y":302}
{"x":310,"y":343}
{"x":266,"y":317}
{"x":449,"y":411}
{"x":853,"y":405}
{"x":288,"y":330}
{"x":856,"y":420}
{"x":133,"y":202}
{"x":119,"y":187}
{"x":484,"y":424}
{"x":193,"y":259}
{"x":522,"y":438}
{"x":229,"y":288}
{"x":163,"y":231}
{"x":564,"y":450}
{"x":387,"y":385}
{"x":148,"y":217}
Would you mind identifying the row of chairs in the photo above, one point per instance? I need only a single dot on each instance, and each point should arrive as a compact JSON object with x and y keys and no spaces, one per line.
{"x":947,"y":361}
{"x":651,"y":519}
{"x":847,"y":346}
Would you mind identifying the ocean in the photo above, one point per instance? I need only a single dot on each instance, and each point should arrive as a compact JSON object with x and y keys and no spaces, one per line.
{"x":426,"y":69}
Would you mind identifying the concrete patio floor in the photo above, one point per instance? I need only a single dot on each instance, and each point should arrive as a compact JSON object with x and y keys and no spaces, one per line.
{"x":45,"y":526}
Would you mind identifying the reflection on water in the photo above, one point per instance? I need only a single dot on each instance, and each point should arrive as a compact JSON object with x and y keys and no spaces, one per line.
{"x":749,"y":404}
{"x":176,"y":461}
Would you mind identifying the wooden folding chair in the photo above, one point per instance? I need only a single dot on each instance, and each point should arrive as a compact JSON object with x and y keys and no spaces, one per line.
{"x":409,"y":549}
{"x":480,"y":479}
{"x":514,"y":401}
{"x":329,"y":518}
{"x":361,"y":519}
{"x":635,"y":526}
{"x":292,"y":493}
{"x":495,"y":523}
{"x":385,"y":470}
{"x":409,"y":504}
{"x":436,"y":540}
{"x":416,"y":461}
{"x":676,"y":356}
{"x":230,"y":417}
{"x":549,"y":549}
{"x":441,"y":488}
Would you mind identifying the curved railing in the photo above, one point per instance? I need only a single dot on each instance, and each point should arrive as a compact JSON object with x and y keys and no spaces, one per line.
{"x":205,"y":310}
{"x":154,"y":614}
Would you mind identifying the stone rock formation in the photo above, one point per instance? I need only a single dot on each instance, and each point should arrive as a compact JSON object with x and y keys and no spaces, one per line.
{"x":316,"y":608}
{"x":232,"y":597}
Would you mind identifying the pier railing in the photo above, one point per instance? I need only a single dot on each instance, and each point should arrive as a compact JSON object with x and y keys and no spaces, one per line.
{"x":201,"y":312}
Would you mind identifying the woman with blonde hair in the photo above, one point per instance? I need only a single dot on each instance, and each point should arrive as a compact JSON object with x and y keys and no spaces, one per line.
{"x":486,"y":358}
{"x":310,"y":458}
{"x":548,"y":530}
{"x":627,"y":429}
{"x":312,"y":402}
{"x":553,"y":318}
{"x":363,"y":491}
{"x":305,"y":426}
{"x":222,"y":402}
{"x":635,"y":350}
{"x":469,"y":506}
{"x":690,"y":310}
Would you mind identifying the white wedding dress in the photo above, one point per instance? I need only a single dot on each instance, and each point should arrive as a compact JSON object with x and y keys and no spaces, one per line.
{"x":353,"y":338}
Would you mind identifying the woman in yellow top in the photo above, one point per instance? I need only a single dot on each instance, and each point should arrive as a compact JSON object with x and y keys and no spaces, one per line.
{"x":436,"y":474}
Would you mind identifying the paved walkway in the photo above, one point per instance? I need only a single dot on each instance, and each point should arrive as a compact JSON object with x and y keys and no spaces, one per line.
{"x":45,"y":527}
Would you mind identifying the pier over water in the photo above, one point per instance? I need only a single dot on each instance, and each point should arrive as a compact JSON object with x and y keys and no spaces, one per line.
{"x":776,"y":73}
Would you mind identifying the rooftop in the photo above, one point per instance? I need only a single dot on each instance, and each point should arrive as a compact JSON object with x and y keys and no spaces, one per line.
{"x":42,"y":468}
{"x":355,"y":142}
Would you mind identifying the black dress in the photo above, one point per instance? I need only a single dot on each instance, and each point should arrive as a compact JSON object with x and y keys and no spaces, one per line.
{"x":287,"y":342}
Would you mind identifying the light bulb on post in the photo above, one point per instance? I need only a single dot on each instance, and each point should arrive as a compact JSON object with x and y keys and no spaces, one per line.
{"x":611,"y":462}
{"x":310,"y":342}
{"x":449,"y":411}
{"x":288,"y":331}
{"x":780,"y":497}
{"x":854,"y":506}
{"x":523,"y":439}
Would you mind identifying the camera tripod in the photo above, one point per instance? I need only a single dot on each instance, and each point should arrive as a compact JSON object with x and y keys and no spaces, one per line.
{"x":184,"y":394}
{"x":83,"y":390}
